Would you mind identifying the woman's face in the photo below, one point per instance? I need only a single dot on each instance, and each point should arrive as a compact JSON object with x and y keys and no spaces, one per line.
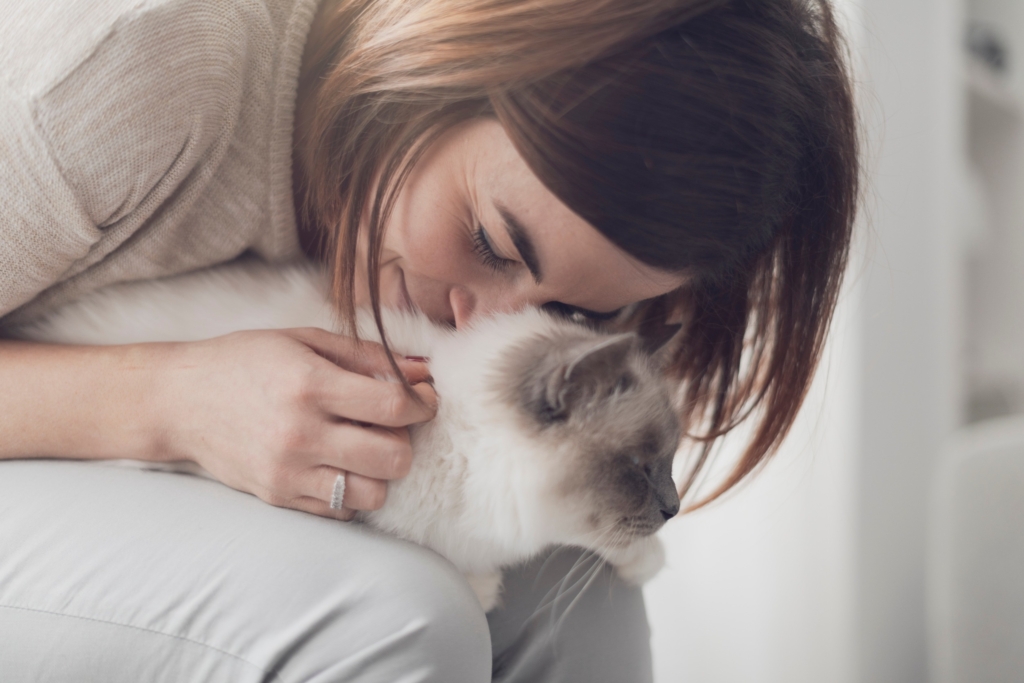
{"x":474,"y":231}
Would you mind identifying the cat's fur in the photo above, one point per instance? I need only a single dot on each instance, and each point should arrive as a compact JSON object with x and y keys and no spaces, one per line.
{"x":546,"y":433}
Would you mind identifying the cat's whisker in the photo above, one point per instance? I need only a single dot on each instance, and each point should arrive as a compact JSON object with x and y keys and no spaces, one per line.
{"x":584,"y":579}
{"x":560,"y":588}
{"x":547,"y":560}
{"x":610,"y":531}
{"x":594,"y":571}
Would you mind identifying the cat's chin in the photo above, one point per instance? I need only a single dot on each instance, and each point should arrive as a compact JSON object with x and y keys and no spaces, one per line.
{"x":638,"y":562}
{"x":487,"y":588}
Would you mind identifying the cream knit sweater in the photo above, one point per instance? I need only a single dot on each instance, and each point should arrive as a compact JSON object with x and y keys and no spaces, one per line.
{"x":142,"y":138}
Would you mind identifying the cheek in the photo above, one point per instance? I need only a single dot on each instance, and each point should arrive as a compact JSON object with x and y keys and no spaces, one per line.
{"x":437,"y":252}
{"x":431,"y":239}
{"x":607,"y":493}
{"x":621,"y":492}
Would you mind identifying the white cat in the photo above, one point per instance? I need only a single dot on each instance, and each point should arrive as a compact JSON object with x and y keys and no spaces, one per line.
{"x":547,"y":432}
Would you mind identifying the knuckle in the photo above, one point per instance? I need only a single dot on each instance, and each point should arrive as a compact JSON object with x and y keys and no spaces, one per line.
{"x":276,"y":479}
{"x":280,"y":466}
{"x":303,"y":386}
{"x":273,"y":497}
{"x":291,"y":438}
{"x":396,"y":404}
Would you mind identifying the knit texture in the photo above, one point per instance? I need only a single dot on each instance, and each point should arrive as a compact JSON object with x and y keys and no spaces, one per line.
{"x":142,"y":138}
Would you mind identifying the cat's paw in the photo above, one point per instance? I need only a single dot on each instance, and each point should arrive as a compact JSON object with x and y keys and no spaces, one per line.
{"x":638,"y":562}
{"x":487,"y":588}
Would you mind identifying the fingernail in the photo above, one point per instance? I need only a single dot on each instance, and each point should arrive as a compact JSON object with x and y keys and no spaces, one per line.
{"x":432,"y":397}
{"x":418,"y":359}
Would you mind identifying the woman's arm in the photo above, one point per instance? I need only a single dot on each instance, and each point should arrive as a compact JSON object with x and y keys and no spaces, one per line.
{"x":272,"y":413}
{"x":79,"y":401}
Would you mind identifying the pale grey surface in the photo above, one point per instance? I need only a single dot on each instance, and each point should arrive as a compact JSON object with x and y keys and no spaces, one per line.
{"x":113,"y":574}
{"x":118,"y":575}
{"x":976,"y":596}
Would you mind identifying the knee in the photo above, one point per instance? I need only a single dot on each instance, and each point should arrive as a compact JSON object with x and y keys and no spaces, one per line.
{"x":408,"y":615}
{"x":437,"y":624}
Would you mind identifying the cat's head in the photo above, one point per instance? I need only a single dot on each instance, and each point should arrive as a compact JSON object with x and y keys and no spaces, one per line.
{"x":599,"y":409}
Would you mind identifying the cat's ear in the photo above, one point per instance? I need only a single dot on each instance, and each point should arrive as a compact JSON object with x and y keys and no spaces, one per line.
{"x":660,"y":342}
{"x":659,"y":330}
{"x":592,"y":369}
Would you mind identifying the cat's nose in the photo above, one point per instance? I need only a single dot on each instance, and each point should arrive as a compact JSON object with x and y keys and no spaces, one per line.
{"x":670,"y":512}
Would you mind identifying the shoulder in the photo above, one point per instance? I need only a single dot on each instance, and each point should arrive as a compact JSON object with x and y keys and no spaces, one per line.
{"x":129,"y":94}
{"x":110,"y":110}
{"x":43,"y":44}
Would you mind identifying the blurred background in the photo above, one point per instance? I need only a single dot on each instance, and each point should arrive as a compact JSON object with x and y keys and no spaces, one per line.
{"x":834,"y":565}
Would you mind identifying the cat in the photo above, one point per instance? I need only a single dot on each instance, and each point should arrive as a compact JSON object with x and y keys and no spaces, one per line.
{"x":547,"y":431}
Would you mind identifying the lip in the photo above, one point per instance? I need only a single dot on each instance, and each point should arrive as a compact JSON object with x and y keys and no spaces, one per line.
{"x":405,"y":300}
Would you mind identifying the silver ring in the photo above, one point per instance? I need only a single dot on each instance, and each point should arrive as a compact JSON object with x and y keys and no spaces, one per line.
{"x":338,"y":494}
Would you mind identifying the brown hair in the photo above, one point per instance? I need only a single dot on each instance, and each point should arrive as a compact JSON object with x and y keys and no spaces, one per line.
{"x":711,"y":137}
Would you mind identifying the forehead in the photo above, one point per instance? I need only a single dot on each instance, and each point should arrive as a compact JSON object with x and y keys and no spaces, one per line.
{"x":579,"y":263}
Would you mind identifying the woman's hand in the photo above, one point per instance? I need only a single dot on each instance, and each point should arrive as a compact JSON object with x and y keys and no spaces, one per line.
{"x":279,"y":413}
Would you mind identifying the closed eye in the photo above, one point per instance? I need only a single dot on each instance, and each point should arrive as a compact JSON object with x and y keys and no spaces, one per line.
{"x":484,"y":250}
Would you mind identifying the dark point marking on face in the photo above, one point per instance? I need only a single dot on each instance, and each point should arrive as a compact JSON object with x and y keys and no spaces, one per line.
{"x":599,"y":401}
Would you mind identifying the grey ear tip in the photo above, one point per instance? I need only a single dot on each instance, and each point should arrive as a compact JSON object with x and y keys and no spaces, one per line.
{"x":653,"y":341}
{"x":613,"y":345}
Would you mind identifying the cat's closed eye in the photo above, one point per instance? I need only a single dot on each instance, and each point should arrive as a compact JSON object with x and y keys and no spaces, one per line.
{"x":626,"y":382}
{"x":635,"y":459}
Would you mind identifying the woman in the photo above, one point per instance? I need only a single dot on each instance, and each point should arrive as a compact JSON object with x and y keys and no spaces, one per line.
{"x":643,"y":164}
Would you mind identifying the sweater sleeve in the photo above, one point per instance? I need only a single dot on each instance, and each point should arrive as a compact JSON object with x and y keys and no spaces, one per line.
{"x":44,"y":229}
{"x":100,"y":135}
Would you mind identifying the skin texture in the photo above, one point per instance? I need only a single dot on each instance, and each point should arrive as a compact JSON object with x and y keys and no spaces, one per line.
{"x":431,"y":247}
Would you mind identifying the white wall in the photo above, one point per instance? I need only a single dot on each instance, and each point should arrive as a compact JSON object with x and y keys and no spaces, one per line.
{"x":815,"y":571}
{"x":759,"y":585}
{"x":911,"y":393}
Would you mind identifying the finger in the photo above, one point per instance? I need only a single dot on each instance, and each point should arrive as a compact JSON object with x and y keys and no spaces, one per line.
{"x":363,"y":399}
{"x":318,"y":507}
{"x":360,"y":356}
{"x":415,"y":370}
{"x":373,"y":452}
{"x":428,"y":395}
{"x":361,"y":493}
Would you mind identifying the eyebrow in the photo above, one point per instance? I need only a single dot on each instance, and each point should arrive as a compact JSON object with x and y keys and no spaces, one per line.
{"x":521,"y":241}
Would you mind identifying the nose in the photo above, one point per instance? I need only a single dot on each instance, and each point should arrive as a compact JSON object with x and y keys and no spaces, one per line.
{"x":463,"y":305}
{"x":670,"y":512}
{"x":466,"y":304}
{"x":666,"y":497}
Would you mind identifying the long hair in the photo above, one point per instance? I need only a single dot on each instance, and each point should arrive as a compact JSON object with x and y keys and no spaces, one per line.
{"x":715,"y":138}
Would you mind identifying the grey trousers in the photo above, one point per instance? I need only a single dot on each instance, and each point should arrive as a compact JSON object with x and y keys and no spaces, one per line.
{"x":115,"y":575}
